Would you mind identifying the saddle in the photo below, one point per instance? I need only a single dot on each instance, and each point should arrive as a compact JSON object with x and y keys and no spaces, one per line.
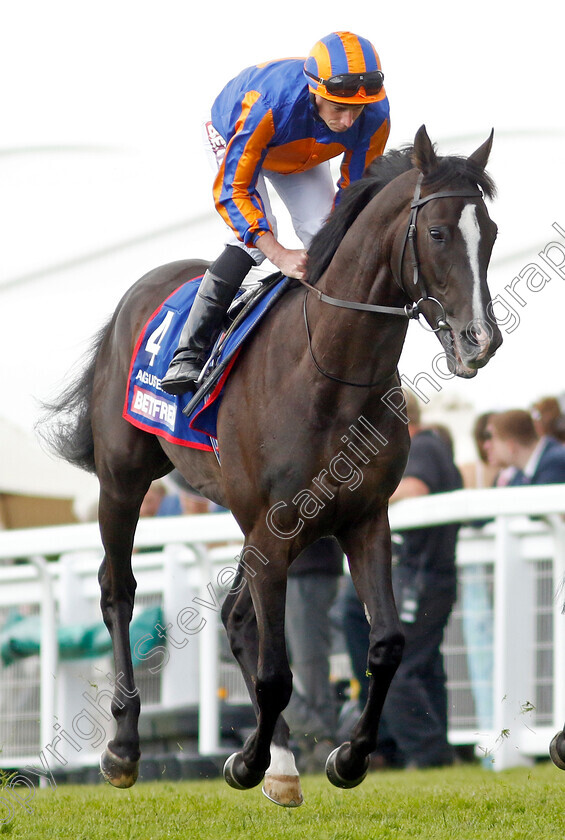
{"x":238,"y":314}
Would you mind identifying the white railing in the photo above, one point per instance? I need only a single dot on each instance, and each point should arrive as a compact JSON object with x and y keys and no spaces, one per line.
{"x":520,"y":554}
{"x":520,"y":558}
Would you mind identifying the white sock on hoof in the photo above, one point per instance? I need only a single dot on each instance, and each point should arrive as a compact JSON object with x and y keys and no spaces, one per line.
{"x":282,"y":762}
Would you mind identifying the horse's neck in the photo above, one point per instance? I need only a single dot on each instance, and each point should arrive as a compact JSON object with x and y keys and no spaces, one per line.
{"x":356,"y":345}
{"x":362,"y":267}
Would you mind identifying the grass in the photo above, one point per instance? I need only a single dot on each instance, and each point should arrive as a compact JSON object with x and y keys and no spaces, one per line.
{"x":465,"y":803}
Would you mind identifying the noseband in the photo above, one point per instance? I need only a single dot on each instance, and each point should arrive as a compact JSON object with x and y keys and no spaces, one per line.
{"x":411,"y":310}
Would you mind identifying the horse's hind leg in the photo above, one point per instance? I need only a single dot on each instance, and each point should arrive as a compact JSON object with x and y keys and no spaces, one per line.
{"x":125,"y":471}
{"x":245,"y":769}
{"x":368,"y":549}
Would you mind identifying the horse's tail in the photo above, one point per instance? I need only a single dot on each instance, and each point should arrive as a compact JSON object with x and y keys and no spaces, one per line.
{"x":65,"y":423}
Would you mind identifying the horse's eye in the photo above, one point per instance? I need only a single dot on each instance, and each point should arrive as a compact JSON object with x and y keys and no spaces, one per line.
{"x":437,"y":234}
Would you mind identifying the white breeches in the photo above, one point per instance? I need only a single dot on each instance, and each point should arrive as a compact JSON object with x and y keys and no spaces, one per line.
{"x":308,"y":196}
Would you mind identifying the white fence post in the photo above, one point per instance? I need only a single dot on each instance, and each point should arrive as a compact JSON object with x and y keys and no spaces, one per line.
{"x":209,"y":706}
{"x":180,"y":677}
{"x":558,"y":527}
{"x":73,"y":677}
{"x":49,"y":653}
{"x":513,"y":655}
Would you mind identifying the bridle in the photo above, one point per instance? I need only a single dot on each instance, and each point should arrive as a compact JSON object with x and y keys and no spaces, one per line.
{"x":410,"y":240}
{"x":410,"y":310}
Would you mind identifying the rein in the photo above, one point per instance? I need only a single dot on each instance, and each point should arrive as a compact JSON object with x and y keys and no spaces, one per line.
{"x":405,"y":311}
{"x":410,"y":310}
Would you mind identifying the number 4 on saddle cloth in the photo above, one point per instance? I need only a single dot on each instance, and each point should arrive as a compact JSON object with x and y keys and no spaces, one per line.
{"x":190,"y":419}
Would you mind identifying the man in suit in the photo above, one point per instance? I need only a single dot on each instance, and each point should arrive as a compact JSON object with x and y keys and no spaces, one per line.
{"x":512,"y":441}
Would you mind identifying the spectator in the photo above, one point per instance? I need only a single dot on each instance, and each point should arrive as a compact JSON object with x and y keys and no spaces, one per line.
{"x":549,"y":419}
{"x":153,"y":499}
{"x":479,"y":473}
{"x":414,"y":721}
{"x":159,"y":502}
{"x":512,"y":441}
{"x":444,"y":433}
{"x":192,"y":503}
{"x":311,"y":591}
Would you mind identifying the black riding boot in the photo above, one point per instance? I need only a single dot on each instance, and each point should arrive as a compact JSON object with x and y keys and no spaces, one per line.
{"x":205,"y":319}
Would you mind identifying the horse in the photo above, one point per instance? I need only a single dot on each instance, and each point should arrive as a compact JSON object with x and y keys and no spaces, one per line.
{"x":557,"y":749}
{"x":413,"y":239}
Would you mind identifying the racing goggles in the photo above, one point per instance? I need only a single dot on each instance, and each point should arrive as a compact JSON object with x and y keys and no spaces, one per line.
{"x":349,"y":84}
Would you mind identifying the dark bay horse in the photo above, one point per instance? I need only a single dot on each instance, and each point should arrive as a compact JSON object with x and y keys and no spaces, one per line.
{"x":312,"y":436}
{"x":557,"y":749}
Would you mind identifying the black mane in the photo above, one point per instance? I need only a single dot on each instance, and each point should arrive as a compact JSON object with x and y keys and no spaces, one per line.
{"x":451,"y":171}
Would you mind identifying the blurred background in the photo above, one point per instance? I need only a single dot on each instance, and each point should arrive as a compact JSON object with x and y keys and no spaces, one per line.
{"x":104,"y":177}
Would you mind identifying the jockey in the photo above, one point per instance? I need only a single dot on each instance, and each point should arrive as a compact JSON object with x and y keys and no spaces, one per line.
{"x":282,"y":121}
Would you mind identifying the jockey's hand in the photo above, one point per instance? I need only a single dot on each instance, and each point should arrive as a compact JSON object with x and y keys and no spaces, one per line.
{"x":291,"y":262}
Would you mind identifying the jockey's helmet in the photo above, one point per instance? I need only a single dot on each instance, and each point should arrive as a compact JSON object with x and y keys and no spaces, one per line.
{"x":345,"y":68}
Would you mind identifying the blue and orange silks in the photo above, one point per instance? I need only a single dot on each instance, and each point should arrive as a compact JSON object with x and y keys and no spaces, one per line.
{"x":269,"y":123}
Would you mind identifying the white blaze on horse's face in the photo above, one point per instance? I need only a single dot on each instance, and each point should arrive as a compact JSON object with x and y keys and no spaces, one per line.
{"x":471,"y":233}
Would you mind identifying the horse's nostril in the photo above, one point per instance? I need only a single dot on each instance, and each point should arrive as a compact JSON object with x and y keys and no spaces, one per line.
{"x":470,"y":334}
{"x":475,"y":335}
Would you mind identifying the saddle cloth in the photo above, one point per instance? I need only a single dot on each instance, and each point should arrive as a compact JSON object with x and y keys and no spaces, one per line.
{"x":150,"y":408}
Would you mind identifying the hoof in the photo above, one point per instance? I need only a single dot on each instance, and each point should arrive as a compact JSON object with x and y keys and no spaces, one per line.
{"x":120,"y":772}
{"x":557,"y":750}
{"x":335,"y":777}
{"x":238,"y":775}
{"x":283,"y":790}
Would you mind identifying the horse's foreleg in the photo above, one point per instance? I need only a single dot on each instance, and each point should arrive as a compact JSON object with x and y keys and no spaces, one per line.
{"x":246,"y":769}
{"x":368,"y":549}
{"x":120,"y":760}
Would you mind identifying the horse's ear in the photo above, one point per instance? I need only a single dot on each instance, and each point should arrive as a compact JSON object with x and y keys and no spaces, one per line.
{"x":423,"y":157}
{"x":481,"y":155}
